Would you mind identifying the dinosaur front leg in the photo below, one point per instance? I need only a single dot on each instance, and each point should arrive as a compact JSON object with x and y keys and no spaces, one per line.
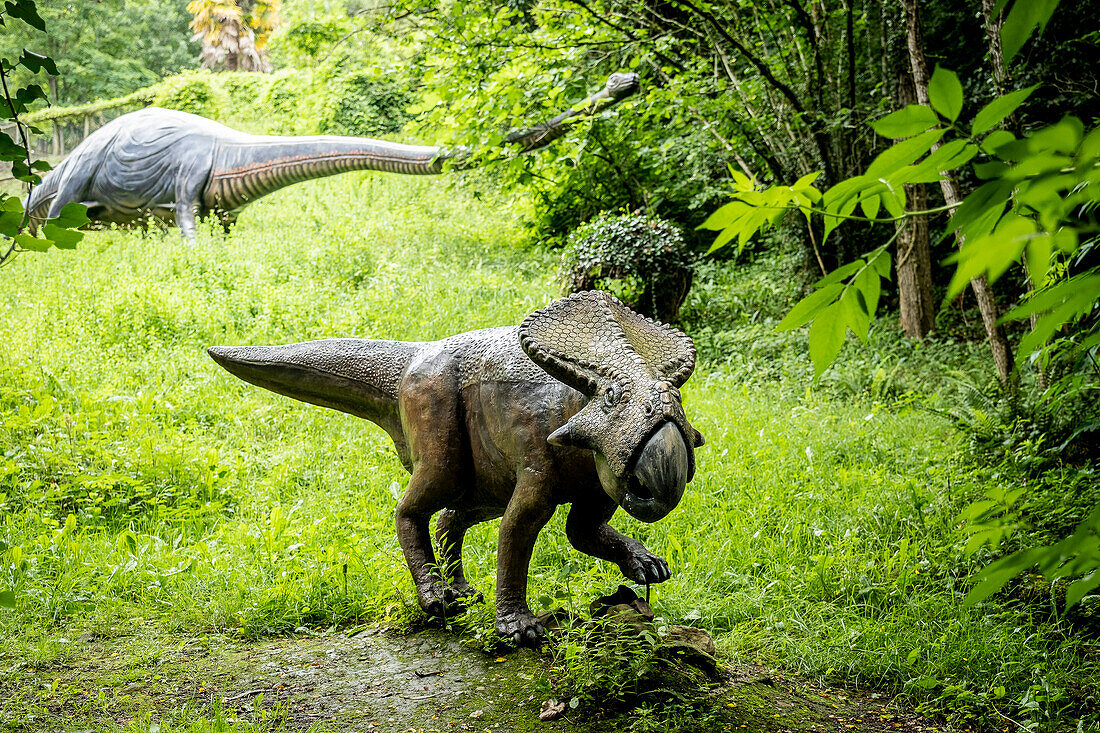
{"x":429,"y":406}
{"x":588,"y":531}
{"x":185,"y":219}
{"x":528,"y":512}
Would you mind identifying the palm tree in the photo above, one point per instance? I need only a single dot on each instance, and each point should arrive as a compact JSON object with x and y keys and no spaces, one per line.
{"x":234,"y":34}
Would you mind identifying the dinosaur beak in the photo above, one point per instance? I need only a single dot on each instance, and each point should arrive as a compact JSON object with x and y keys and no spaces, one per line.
{"x":664,"y":466}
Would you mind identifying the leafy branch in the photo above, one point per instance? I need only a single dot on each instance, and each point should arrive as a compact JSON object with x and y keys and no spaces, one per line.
{"x":59,"y":231}
{"x":1027,"y":206}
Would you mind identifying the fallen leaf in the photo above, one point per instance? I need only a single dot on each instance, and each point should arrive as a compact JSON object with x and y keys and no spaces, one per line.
{"x":552,"y":710}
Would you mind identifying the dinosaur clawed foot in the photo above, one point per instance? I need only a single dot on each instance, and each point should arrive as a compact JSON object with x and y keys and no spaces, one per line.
{"x":439,"y":600}
{"x":645,"y":567}
{"x":521,"y":626}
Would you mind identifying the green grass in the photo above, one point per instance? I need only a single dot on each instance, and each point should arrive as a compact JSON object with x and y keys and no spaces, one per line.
{"x":820,"y":533}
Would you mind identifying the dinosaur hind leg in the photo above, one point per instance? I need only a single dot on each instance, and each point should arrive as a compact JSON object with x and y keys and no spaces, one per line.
{"x":420,"y":501}
{"x":186,"y":213}
{"x":450,"y":530}
{"x":227,"y":219}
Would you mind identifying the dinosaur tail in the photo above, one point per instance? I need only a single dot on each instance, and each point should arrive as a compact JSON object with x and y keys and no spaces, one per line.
{"x":257,"y":165}
{"x":357,"y":376}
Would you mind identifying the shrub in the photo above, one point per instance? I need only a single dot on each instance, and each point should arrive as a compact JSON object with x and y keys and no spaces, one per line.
{"x":192,"y":91}
{"x":364,"y":104}
{"x":642,"y":260}
{"x":289,"y":104}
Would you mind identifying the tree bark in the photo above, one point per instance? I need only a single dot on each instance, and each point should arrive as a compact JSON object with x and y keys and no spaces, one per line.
{"x":998,"y":343}
{"x":1000,"y":83}
{"x":914,"y":250}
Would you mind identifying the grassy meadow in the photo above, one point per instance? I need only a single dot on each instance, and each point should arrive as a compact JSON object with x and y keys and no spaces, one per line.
{"x":143,"y":490}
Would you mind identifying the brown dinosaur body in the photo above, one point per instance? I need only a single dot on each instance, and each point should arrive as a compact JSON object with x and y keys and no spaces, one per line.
{"x":576,"y":406}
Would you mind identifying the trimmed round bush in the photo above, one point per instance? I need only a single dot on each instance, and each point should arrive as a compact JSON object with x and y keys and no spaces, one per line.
{"x":642,"y":260}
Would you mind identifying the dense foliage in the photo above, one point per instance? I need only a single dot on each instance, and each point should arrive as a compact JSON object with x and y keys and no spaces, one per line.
{"x":108,"y":48}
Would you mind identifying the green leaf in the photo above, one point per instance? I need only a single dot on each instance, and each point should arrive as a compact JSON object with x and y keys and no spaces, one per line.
{"x":806,"y":180}
{"x":806,"y":309}
{"x":741,"y":182}
{"x":996,"y":139}
{"x":853,"y":310}
{"x":869,"y":205}
{"x":869,"y":284}
{"x":26,"y":11}
{"x":911,"y":120}
{"x":880,"y":261}
{"x":948,"y":156}
{"x":723,"y":239}
{"x":992,"y":254}
{"x":903,"y":153}
{"x":7,"y":599}
{"x":61,"y":237}
{"x":26,"y":241}
{"x":991,"y":114}
{"x":723,"y":216}
{"x":826,"y":337}
{"x":839,"y":273}
{"x":10,"y":222}
{"x":945,"y":93}
{"x":994,"y":576}
{"x":1039,"y":250}
{"x":1077,"y":590}
{"x":35,"y":62}
{"x":893,"y":198}
{"x":1048,"y":298}
{"x":992,"y":169}
{"x":1021,"y":21}
{"x":72,"y":215}
{"x":986,"y":199}
{"x":1075,"y":304}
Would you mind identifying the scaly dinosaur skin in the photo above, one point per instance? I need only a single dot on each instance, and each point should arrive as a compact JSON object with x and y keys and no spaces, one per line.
{"x":578,"y":405}
{"x":179,"y":167}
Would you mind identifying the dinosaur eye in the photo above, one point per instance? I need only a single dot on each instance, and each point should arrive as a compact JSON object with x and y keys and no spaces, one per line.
{"x":611,"y":397}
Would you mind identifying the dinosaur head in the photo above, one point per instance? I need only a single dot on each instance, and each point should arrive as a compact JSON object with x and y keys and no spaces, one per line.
{"x":630,"y":368}
{"x":622,"y":84}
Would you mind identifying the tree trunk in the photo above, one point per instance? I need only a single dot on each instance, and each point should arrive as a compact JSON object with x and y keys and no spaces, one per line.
{"x":914,"y":256}
{"x":952,"y":196}
{"x":1000,"y":83}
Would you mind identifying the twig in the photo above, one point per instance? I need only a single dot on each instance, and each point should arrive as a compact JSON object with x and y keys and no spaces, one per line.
{"x":26,"y":151}
{"x":421,"y":697}
{"x":249,"y":692}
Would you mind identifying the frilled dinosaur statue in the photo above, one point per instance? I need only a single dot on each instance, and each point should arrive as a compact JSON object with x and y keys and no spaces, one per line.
{"x":178,"y":167}
{"x":578,"y":405}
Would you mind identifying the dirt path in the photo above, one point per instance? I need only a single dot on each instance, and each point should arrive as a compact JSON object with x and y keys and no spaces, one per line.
{"x":380,"y":679}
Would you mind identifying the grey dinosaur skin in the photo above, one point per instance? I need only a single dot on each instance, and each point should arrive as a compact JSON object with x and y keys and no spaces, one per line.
{"x":485,"y":431}
{"x":179,"y":167}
